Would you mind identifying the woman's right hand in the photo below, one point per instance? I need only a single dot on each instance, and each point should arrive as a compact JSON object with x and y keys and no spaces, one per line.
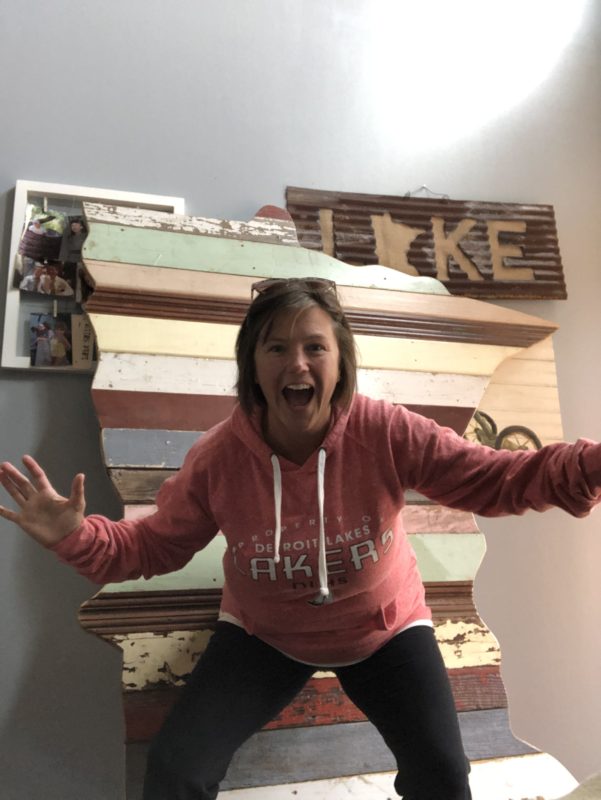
{"x":43,"y":513}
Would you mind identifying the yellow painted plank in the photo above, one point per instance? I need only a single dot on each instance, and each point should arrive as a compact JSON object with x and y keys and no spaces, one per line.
{"x":153,"y":658}
{"x":430,"y":356}
{"x":467,"y":644}
{"x":542,"y":398}
{"x":120,"y":334}
{"x":523,"y":391}
{"x":526,"y":372}
{"x":541,"y":351}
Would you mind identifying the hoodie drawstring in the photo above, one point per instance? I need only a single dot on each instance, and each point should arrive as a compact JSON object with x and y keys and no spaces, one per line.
{"x":277,"y":499}
{"x":324,"y":591}
{"x":323,"y":569}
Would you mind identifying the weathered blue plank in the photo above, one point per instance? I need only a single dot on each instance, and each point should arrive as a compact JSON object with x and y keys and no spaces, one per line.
{"x":329,"y":751}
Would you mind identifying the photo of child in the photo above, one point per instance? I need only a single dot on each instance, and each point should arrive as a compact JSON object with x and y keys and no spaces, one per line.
{"x":50,"y":340}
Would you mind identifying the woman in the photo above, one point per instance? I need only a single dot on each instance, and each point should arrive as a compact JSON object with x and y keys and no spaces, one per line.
{"x":306,"y":480}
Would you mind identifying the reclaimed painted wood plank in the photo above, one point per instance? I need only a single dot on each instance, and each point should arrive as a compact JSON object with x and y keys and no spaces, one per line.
{"x":206,"y":376}
{"x":537,"y":776}
{"x":421,"y":388}
{"x":148,"y":372}
{"x":146,"y":448}
{"x":172,"y":250}
{"x":518,"y":371}
{"x":467,"y":359}
{"x":321,"y":702}
{"x":281,"y":230}
{"x":182,"y":412}
{"x":187,"y":412}
{"x":441,"y":558}
{"x":544,"y":398}
{"x":138,"y":486}
{"x":152,"y":660}
{"x":418,"y":519}
{"x":467,"y":644}
{"x":524,"y":391}
{"x":298,"y":754}
{"x":211,"y":340}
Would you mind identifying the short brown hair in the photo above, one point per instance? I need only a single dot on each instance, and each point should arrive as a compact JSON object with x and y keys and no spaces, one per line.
{"x":281,"y":295}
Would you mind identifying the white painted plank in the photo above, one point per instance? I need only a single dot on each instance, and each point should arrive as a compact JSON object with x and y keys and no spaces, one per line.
{"x":144,"y":372}
{"x":263,"y":229}
{"x":525,"y":777}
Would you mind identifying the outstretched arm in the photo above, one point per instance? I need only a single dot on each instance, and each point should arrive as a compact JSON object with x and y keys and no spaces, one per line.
{"x":42,"y":513}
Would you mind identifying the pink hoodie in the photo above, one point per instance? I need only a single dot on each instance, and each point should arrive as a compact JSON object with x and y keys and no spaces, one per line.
{"x":338,"y":578}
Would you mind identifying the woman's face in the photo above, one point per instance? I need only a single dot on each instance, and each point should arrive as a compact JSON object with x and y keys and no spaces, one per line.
{"x":297,"y":367}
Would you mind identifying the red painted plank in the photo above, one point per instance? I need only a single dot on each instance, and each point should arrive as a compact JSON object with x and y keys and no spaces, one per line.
{"x":188,"y":412}
{"x":182,"y":412}
{"x":321,"y":702}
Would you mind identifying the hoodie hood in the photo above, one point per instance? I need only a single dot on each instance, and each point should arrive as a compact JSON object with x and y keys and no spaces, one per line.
{"x":248,"y":429}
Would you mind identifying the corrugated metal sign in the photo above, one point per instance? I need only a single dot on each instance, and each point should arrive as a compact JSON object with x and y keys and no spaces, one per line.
{"x":477,"y":249}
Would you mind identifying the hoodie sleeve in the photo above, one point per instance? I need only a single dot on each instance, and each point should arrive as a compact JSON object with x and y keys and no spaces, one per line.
{"x":106,"y":551}
{"x":471,"y":477}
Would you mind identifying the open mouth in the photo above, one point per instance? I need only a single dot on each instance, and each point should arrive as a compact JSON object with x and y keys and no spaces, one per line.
{"x":298,"y":395}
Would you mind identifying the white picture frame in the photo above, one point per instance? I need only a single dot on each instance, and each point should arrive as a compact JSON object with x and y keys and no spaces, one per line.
{"x":20,"y":306}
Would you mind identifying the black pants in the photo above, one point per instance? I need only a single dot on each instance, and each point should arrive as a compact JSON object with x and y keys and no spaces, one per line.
{"x":241,"y":683}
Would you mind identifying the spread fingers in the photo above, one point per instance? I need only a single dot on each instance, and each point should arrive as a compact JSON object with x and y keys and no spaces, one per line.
{"x":17,"y":485}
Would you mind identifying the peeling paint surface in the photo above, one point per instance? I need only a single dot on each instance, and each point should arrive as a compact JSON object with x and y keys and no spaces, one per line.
{"x":150,"y":660}
{"x":467,"y":644}
{"x":266,"y":229}
{"x":153,"y":659}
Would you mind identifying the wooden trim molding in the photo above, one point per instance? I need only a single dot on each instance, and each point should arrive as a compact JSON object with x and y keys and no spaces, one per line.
{"x":138,"y":303}
{"x":127,"y":612}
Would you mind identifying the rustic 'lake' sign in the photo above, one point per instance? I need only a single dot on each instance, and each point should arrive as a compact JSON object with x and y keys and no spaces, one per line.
{"x":477,"y":249}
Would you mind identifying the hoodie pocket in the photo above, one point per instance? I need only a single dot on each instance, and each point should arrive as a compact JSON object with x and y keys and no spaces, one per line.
{"x":388,"y":616}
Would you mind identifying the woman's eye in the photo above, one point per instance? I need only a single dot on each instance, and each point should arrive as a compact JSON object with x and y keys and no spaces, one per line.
{"x":314,"y":348}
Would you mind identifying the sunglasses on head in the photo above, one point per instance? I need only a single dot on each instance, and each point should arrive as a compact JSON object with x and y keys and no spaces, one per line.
{"x":319,"y":284}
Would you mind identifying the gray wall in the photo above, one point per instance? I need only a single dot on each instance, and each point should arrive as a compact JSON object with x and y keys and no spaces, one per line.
{"x":227,"y":103}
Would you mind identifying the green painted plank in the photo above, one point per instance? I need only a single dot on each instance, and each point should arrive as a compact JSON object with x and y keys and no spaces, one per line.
{"x":204,"y":571}
{"x":448,"y":556}
{"x":441,"y":557}
{"x":155,"y":248}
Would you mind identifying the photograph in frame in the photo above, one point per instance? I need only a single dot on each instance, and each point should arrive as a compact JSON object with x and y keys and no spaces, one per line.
{"x":50,"y":340}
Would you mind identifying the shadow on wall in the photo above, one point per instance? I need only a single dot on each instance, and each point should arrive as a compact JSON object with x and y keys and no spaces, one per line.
{"x":61,"y":735}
